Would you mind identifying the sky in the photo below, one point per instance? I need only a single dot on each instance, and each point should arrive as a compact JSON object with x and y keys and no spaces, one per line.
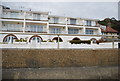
{"x":92,"y":10}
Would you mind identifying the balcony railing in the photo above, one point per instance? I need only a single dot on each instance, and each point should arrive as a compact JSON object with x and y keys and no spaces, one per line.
{"x":21,"y":16}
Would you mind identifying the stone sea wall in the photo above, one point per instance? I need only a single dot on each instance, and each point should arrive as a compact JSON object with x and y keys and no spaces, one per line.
{"x":49,"y":58}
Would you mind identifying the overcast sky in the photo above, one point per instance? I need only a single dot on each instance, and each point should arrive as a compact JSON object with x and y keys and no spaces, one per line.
{"x":94,"y":10}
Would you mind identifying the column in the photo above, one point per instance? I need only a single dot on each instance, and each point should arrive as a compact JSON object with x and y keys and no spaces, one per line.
{"x":1,"y":12}
{"x":47,"y":27}
{"x":66,"y":27}
{"x":84,"y":27}
{"x":24,"y":23}
{"x":0,"y":26}
{"x":99,"y":31}
{"x":83,"y":30}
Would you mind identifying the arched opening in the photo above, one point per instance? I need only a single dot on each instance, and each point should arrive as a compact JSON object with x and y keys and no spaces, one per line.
{"x":36,"y":39}
{"x":93,"y":40}
{"x":75,"y":38}
{"x":56,"y":38}
{"x":9,"y":38}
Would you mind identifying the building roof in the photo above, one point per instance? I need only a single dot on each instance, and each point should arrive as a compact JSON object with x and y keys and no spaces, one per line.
{"x":109,"y":29}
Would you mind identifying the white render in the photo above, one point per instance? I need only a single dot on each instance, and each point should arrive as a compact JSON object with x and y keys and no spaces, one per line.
{"x":25,"y":24}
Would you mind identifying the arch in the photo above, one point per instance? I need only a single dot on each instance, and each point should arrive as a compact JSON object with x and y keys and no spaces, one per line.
{"x":56,"y":38}
{"x":35,"y":36}
{"x":76,"y":38}
{"x":6,"y":39}
{"x":94,"y":40}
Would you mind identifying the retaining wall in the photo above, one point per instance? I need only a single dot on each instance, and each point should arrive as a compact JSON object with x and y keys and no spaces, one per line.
{"x":34,"y":58}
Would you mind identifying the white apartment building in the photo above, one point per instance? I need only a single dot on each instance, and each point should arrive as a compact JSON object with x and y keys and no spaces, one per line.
{"x":40,"y":26}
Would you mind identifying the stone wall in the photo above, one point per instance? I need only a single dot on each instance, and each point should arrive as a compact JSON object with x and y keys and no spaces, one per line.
{"x":34,"y":58}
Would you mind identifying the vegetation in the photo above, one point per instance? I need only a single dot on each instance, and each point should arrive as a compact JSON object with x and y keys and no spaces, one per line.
{"x":44,"y":41}
{"x":21,"y":40}
{"x":115,"y":24}
{"x":80,"y":41}
{"x":51,"y":41}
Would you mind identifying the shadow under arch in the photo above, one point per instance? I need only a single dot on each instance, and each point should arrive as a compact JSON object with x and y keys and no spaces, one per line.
{"x":56,"y":38}
{"x":35,"y":36}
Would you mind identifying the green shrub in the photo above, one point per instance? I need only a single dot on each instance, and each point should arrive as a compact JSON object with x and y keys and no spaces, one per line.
{"x":24,"y":40}
{"x":51,"y":41}
{"x":44,"y":41}
{"x":21,"y":40}
{"x":80,"y":41}
{"x":86,"y":41}
{"x":16,"y":40}
{"x":75,"y":41}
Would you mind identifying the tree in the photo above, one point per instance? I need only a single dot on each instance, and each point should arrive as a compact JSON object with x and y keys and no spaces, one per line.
{"x":115,"y":24}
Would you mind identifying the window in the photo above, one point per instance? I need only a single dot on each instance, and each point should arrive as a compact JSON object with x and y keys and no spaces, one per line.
{"x":72,"y":21}
{"x":37,"y":39}
{"x":9,"y":38}
{"x":36,"y":16}
{"x":40,"y":28}
{"x":56,"y":20}
{"x":89,"y":31}
{"x":88,"y":23}
{"x":12,"y":27}
{"x":14,"y":14}
{"x":35,"y":28}
{"x":73,"y":31}
{"x":55,"y":30}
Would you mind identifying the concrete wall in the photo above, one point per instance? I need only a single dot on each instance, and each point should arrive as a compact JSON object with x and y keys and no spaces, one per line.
{"x":62,"y":73}
{"x":34,"y":58}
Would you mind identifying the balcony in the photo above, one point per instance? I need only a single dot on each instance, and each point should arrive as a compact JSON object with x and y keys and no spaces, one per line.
{"x":36,"y":28}
{"x":21,"y":15}
{"x":57,"y":20}
{"x":12,"y":27}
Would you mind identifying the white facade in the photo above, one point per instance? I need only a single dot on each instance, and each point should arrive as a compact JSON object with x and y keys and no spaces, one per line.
{"x":40,"y":26}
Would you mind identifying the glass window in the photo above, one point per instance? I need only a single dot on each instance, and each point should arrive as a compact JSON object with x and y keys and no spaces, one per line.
{"x":40,"y":28}
{"x":35,"y":28}
{"x":36,"y":16}
{"x":56,"y":30}
{"x":9,"y":39}
{"x":13,"y":27}
{"x":72,"y":21}
{"x":88,"y":23}
{"x":14,"y":14}
{"x":56,"y":20}
{"x":37,"y":39}
{"x":73,"y":31}
{"x":89,"y":31}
